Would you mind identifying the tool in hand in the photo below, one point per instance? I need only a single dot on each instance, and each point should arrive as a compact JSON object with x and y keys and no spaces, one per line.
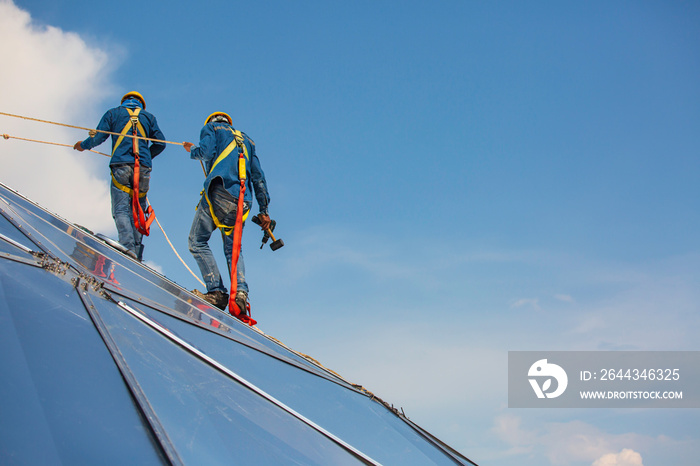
{"x":276,"y":243}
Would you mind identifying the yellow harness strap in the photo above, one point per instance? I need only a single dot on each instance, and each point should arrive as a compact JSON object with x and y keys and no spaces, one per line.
{"x":133,"y":120}
{"x":126,"y":189}
{"x":237,"y":142}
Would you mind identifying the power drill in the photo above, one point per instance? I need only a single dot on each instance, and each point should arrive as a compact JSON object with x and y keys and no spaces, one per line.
{"x":276,"y":243}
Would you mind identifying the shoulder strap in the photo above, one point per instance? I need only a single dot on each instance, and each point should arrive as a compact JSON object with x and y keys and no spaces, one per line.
{"x":134,"y":119}
{"x":237,"y":142}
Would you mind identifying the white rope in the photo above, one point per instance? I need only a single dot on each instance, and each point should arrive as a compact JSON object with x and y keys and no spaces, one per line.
{"x":7,"y":136}
{"x":90,"y":129}
{"x":175,"y":251}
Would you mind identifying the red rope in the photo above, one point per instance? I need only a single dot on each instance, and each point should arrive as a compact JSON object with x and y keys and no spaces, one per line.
{"x":235,"y":254}
{"x":142,"y":221}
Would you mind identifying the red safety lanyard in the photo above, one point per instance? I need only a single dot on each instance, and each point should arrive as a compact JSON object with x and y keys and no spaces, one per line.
{"x":236,"y":250}
{"x":142,"y":220}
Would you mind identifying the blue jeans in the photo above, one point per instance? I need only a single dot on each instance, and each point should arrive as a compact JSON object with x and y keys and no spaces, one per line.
{"x":225,"y":208}
{"x":129,"y":237}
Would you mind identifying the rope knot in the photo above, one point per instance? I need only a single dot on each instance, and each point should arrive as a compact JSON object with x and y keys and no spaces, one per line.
{"x":6,"y":136}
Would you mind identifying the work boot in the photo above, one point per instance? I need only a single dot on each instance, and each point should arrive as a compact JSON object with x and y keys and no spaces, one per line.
{"x":217,"y":298}
{"x":242,"y":302}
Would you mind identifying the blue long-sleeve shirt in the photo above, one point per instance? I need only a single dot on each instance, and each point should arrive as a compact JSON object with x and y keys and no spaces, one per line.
{"x":213,"y":140}
{"x":114,"y":121}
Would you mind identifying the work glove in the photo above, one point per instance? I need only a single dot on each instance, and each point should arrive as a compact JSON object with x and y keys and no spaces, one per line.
{"x":78,"y":147}
{"x":188,"y":146}
{"x":264,"y":221}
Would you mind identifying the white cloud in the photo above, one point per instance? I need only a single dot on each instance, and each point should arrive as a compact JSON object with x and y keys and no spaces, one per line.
{"x":52,"y":75}
{"x":626,"y":457}
{"x":509,"y":428}
{"x":657,"y":309}
{"x":564,"y":297}
{"x":154,"y":266}
{"x":533,"y":303}
{"x":332,"y":246}
{"x":412,"y":362}
{"x":565,"y":443}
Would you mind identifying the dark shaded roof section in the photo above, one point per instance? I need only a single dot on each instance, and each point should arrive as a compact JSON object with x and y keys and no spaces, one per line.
{"x":105,"y":361}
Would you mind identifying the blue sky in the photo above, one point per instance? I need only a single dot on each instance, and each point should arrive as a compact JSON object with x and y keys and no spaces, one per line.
{"x":452,"y":181}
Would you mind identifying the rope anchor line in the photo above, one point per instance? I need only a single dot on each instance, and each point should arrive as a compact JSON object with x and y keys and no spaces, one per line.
{"x":175,"y":251}
{"x":7,"y":136}
{"x":92,"y":132}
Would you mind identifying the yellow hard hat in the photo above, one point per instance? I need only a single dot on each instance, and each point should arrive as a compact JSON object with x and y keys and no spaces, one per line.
{"x":137,"y":95}
{"x":230,"y":121}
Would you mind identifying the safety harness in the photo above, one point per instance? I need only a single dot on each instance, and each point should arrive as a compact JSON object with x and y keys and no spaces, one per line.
{"x":142,"y":220}
{"x":237,"y":228}
{"x":236,"y":143}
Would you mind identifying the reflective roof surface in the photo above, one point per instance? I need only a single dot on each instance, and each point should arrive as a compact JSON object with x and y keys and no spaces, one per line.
{"x":105,"y":361}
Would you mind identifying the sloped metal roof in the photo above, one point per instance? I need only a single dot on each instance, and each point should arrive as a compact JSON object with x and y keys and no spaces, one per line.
{"x":105,"y":361}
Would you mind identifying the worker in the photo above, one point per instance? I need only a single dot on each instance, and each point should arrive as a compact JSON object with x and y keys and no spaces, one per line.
{"x":129,"y":156}
{"x":217,"y":208}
